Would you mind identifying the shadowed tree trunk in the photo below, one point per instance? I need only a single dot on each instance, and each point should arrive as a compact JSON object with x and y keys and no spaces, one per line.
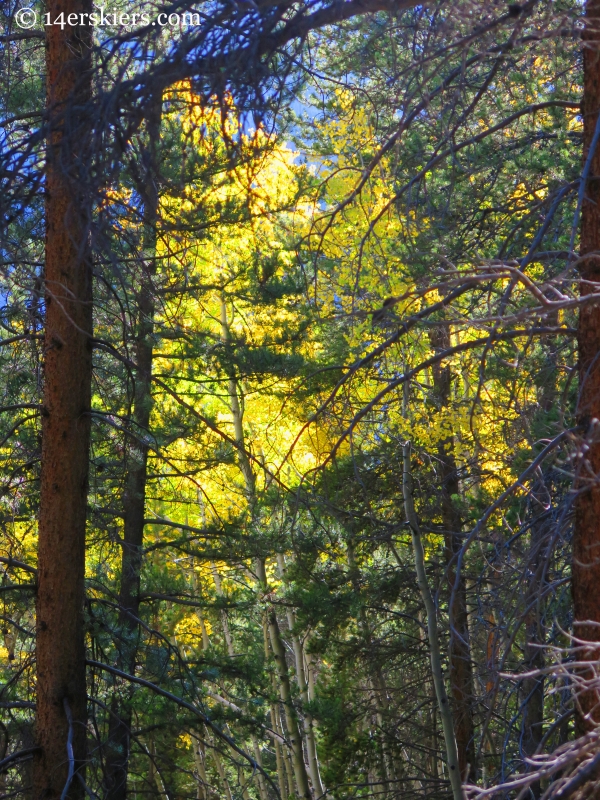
{"x":60,"y":651}
{"x":432,"y":632}
{"x":540,"y":544}
{"x":118,"y":745}
{"x":533,"y":654}
{"x":461,"y":673}
{"x":586,"y":541}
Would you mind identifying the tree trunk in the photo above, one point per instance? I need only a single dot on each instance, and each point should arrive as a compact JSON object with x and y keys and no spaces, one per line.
{"x":432,"y":632}
{"x":461,"y":673}
{"x":586,"y":539}
{"x":226,"y":789}
{"x":134,"y":501}
{"x":285,"y":692}
{"x":61,"y":720}
{"x":279,"y":748}
{"x":237,"y":414}
{"x":279,"y":754}
{"x":431,"y":715}
{"x":260,"y":778}
{"x":224,"y":618}
{"x":308,"y":724}
{"x":540,"y":543}
{"x":202,"y":788}
{"x":379,"y":691}
{"x":262,"y":786}
{"x":274,"y":632}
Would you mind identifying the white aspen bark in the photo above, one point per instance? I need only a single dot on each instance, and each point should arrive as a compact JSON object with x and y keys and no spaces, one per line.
{"x":285,"y":692}
{"x":279,"y":749}
{"x":279,"y":756}
{"x":237,"y":415}
{"x":277,"y":645}
{"x":154,"y":775}
{"x":381,"y":699}
{"x":308,"y":725}
{"x":285,"y":757}
{"x":388,"y":768}
{"x":262,"y":787}
{"x":199,"y":615}
{"x":432,"y":720}
{"x":432,"y":631}
{"x":243,"y":785}
{"x":221,"y":773}
{"x":310,"y":671}
{"x":202,"y":789}
{"x":224,"y":620}
{"x":205,"y":639}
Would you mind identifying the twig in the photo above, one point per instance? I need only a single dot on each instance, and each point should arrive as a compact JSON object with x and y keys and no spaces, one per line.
{"x":20,"y":754}
{"x":70,"y":754}
{"x":190,"y":707}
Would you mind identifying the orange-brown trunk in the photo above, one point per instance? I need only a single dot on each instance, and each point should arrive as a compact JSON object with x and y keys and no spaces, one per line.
{"x":586,"y":543}
{"x":61,"y":690}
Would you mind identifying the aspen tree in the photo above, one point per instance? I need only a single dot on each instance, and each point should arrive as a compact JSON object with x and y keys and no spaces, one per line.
{"x":274,"y":633}
{"x":308,"y":724}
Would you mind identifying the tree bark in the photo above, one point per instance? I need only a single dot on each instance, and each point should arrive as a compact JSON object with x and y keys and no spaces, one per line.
{"x":279,"y":748}
{"x":308,"y":724}
{"x":134,"y":500}
{"x":61,"y":717}
{"x":432,"y":632}
{"x":285,"y":692}
{"x":237,"y":414}
{"x":202,"y":788}
{"x":461,"y":673}
{"x":262,"y":786}
{"x":279,"y":754}
{"x":586,"y":539}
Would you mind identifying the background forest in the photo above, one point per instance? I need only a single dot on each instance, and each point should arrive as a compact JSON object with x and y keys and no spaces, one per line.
{"x":300,"y":394}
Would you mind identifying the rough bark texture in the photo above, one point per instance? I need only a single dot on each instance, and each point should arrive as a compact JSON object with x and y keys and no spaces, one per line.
{"x":134,"y":500}
{"x":461,"y":673}
{"x":586,"y":541}
{"x":60,"y":651}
